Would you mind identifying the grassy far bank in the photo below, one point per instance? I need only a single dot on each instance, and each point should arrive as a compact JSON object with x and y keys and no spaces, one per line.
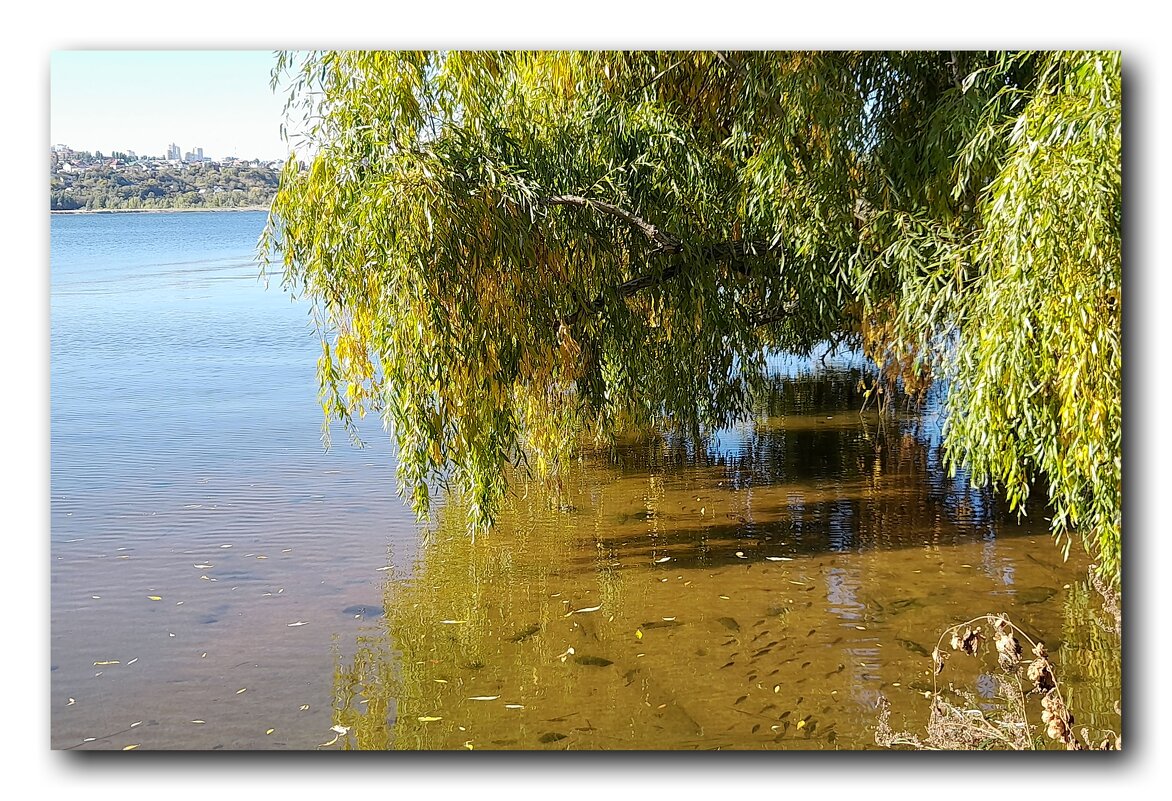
{"x":98,"y":185}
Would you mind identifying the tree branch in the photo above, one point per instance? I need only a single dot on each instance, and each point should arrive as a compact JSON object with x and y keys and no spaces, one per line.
{"x":733,"y":251}
{"x":664,"y":242}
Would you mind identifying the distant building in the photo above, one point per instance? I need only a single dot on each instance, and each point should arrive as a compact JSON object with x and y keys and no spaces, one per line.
{"x":173,"y":152}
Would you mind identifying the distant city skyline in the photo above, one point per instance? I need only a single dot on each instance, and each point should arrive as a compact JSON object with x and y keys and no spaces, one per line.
{"x":145,"y":101}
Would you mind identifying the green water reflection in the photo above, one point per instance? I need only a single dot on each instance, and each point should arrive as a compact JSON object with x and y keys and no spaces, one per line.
{"x":760,"y":592}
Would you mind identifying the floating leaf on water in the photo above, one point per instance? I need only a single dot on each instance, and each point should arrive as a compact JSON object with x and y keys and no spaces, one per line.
{"x":304,"y":707}
{"x":131,"y":747}
{"x":451,"y":622}
{"x":71,"y":702}
{"x":723,"y":597}
{"x":298,"y":623}
{"x":155,"y":597}
{"x":514,"y":706}
{"x":387,"y":567}
{"x":340,"y":729}
{"x":269,"y":731}
{"x":204,"y":566}
{"x":242,"y":689}
{"x":638,"y":634}
{"x":429,"y":718}
{"x":861,"y":628}
{"x":136,"y":723}
{"x":200,"y":722}
{"x":664,"y":559}
{"x":107,"y":662}
{"x":779,"y":558}
{"x":587,"y":609}
{"x":484,"y":697}
{"x":740,"y":554}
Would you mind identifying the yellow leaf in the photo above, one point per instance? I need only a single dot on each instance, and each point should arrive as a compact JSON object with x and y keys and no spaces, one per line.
{"x":131,"y":747}
{"x":155,"y":597}
{"x":428,"y":719}
{"x":270,"y":731}
{"x":638,"y":634}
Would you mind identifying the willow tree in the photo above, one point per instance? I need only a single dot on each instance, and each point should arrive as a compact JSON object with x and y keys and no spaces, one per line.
{"x":512,"y":254}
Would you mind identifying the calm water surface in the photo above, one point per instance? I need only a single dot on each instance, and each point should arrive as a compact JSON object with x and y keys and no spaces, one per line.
{"x":217,"y":575}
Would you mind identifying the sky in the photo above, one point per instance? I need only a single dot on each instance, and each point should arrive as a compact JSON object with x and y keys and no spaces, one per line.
{"x":139,"y":100}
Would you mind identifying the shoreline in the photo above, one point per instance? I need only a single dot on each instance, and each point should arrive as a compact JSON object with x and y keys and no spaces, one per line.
{"x":156,"y":211}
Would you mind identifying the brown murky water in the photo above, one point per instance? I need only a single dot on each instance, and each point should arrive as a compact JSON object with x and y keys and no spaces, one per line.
{"x":762,"y":594}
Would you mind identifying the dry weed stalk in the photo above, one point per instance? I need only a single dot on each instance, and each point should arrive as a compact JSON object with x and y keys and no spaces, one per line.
{"x":969,"y":727}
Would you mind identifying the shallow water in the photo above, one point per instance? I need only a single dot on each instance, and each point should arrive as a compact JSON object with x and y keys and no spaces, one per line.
{"x":220,"y":581}
{"x":761,"y":594}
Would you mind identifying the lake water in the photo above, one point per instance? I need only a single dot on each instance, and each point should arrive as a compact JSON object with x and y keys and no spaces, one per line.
{"x":219,"y":581}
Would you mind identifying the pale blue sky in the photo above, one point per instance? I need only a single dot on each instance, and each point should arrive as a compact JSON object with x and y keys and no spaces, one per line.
{"x":140,"y":100}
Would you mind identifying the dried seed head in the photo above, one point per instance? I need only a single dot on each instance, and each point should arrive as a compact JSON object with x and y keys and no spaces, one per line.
{"x":1040,"y":650}
{"x":1041,"y":675}
{"x":938,"y":658}
{"x":1008,"y":649}
{"x":971,"y":641}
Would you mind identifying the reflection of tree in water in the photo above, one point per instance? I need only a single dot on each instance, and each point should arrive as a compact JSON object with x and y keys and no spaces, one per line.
{"x":476,"y":652}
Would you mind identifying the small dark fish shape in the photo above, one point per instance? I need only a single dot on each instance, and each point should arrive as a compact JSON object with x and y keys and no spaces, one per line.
{"x":729,"y":623}
{"x":660,"y":624}
{"x":913,"y":646}
{"x":364,"y":611}
{"x":1035,"y":595}
{"x":551,"y":737}
{"x":526,"y":633}
{"x":592,"y":661}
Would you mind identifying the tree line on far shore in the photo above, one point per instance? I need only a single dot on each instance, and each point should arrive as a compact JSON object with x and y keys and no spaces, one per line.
{"x":152,"y":186}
